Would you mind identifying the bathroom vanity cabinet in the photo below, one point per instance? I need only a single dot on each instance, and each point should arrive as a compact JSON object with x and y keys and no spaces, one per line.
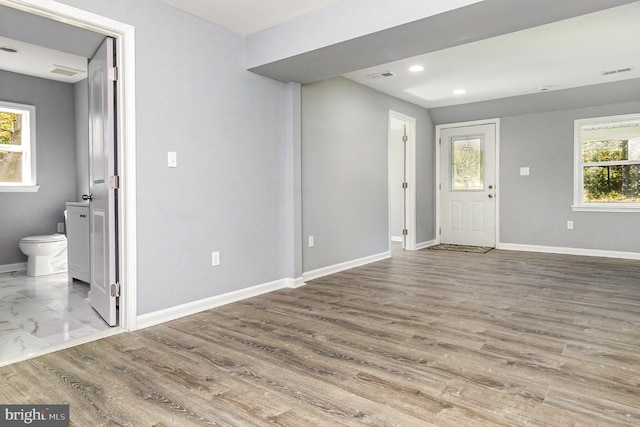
{"x":78,"y":241}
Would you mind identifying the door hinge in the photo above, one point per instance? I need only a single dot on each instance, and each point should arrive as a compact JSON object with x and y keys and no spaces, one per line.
{"x":405,"y":185}
{"x":405,"y":138}
{"x":115,"y":290}
{"x":113,"y":74}
{"x":439,"y":141}
{"x":440,"y":231}
{"x":440,"y":186}
{"x":114,"y":182}
{"x":405,"y":232}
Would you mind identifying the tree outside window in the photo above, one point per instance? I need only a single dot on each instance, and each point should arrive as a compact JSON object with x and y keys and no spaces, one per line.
{"x":608,"y":161}
{"x":11,"y":157}
{"x":17,"y":145}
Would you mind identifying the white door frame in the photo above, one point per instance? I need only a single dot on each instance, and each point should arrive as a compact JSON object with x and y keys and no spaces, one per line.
{"x":124,"y":34}
{"x":439,"y":128}
{"x":410,"y":162}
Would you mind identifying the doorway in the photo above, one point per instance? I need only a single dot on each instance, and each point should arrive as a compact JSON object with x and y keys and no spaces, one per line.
{"x":467,"y":171}
{"x":123,"y":35}
{"x":402,"y":180}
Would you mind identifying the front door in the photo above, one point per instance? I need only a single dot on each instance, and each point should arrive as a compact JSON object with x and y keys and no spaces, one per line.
{"x":102,"y":173}
{"x":468,"y":185}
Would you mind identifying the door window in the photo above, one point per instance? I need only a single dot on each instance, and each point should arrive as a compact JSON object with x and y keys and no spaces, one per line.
{"x":467,"y":169}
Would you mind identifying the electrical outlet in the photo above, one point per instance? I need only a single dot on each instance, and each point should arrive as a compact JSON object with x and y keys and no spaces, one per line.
{"x":215,"y":259}
{"x":569,"y":225}
{"x":61,"y":227}
{"x":311,"y":242}
{"x":172,"y":159}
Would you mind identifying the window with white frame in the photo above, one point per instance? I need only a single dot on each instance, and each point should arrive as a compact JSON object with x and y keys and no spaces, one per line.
{"x":607,"y":163}
{"x":17,"y":147}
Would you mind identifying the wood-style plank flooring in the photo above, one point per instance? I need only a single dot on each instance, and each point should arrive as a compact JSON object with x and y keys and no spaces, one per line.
{"x":427,"y":338}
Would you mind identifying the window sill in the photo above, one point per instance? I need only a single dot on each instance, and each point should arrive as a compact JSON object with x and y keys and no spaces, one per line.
{"x":19,"y":188}
{"x":600,"y":208}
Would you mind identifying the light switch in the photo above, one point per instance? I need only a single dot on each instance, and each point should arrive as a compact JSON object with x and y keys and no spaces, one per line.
{"x":172,"y":159}
{"x":524,"y":171}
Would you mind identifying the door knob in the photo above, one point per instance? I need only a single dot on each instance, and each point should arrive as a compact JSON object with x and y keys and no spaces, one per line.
{"x":87,"y":197}
{"x":490,"y":187}
{"x":491,"y":196}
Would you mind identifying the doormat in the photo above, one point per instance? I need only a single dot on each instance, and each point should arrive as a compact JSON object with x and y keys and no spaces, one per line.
{"x":461,"y":248}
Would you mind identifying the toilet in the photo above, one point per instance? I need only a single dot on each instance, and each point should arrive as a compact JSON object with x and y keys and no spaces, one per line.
{"x":47,"y":254}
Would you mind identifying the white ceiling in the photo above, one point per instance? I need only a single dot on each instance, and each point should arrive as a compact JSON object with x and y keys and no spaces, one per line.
{"x":240,"y":16}
{"x":565,"y":54}
{"x":561,"y":55}
{"x":44,"y":43}
{"x":42,"y":62}
{"x":249,"y":16}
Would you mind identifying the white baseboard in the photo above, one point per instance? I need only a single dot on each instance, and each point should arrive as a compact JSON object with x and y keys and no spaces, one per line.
{"x":325,"y":271}
{"x":568,"y":251}
{"x":10,"y":268}
{"x":397,"y":239}
{"x":172,"y":313}
{"x":295,"y":283}
{"x":425,"y":244}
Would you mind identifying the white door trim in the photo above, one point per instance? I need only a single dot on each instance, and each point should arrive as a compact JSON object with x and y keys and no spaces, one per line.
{"x":410,"y":207}
{"x":124,"y":34}
{"x":439,"y":128}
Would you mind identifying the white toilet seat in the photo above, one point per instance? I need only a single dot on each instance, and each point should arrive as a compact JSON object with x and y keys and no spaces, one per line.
{"x":48,"y":238}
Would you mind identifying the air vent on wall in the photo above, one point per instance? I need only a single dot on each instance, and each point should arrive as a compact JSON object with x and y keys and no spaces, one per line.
{"x":64,"y":71}
{"x":384,"y":74}
{"x":621,"y":70}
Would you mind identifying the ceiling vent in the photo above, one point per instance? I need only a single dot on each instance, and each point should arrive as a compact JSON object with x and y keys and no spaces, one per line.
{"x":382,"y":75}
{"x":64,"y":71}
{"x":621,"y":70}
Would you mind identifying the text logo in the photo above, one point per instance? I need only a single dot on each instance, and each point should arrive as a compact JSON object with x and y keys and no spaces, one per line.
{"x":34,"y":415}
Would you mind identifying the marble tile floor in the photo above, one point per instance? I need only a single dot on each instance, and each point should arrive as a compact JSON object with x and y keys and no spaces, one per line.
{"x":37,"y":312}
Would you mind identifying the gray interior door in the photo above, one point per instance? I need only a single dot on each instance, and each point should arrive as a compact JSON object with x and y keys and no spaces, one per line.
{"x":102,"y":173}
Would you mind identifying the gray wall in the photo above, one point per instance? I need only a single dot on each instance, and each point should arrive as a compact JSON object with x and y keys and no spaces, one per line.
{"x":556,"y":100}
{"x":193,"y":96}
{"x":537,"y":131}
{"x":534,"y":209}
{"x":293,"y":180}
{"x":344,"y":171}
{"x":29,"y":214}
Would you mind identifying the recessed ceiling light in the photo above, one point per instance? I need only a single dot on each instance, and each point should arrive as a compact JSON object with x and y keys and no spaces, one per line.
{"x":416,"y":68}
{"x":8,"y":49}
{"x":459,"y":91}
